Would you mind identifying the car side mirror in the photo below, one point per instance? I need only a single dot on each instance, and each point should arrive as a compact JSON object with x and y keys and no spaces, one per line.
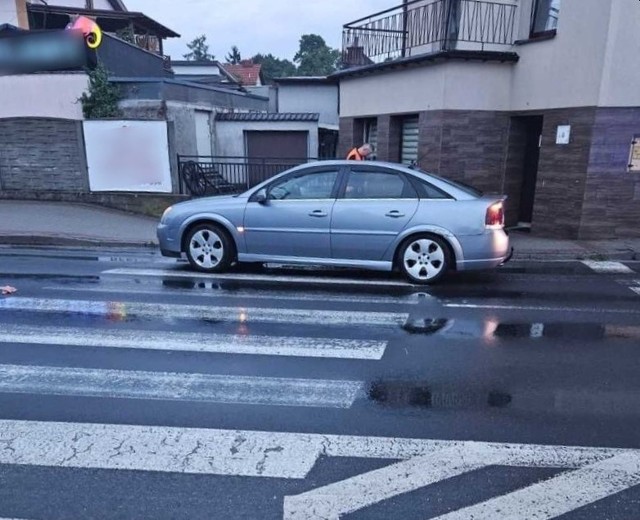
{"x":261,"y":196}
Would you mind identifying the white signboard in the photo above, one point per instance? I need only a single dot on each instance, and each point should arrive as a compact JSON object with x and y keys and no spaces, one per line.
{"x":564,"y":134}
{"x":128,"y":156}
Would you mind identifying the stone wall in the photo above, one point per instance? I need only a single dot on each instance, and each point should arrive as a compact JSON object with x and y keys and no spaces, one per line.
{"x":562,"y":173}
{"x":612,"y":194}
{"x":42,"y":154}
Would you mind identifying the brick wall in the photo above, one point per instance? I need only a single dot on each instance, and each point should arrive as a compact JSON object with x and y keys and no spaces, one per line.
{"x":562,"y":173}
{"x":42,"y":154}
{"x":612,"y":194}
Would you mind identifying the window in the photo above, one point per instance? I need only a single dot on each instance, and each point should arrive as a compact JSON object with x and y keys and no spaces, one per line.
{"x":545,"y":16}
{"x":428,"y":191}
{"x":316,"y":185}
{"x":378,"y":185}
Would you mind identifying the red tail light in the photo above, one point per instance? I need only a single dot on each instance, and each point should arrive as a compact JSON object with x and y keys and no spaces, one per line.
{"x":495,"y":216}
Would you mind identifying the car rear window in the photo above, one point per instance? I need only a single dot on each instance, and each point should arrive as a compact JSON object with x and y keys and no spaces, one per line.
{"x":470,"y":190}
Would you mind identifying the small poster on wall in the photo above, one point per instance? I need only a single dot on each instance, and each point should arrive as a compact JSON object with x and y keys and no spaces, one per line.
{"x":634,"y":156}
{"x":130,"y":156}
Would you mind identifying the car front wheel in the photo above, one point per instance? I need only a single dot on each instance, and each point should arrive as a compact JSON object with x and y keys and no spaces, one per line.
{"x":424,"y":259}
{"x":209,"y":249}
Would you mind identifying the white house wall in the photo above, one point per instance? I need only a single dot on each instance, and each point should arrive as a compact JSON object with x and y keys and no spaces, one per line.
{"x":42,"y":95}
{"x":322,"y":99}
{"x":620,"y":75}
{"x":230,"y":139}
{"x":565,"y":71}
{"x":452,"y":86}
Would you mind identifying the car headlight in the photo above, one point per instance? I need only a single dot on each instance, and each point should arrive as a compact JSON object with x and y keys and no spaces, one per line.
{"x":166,"y":214}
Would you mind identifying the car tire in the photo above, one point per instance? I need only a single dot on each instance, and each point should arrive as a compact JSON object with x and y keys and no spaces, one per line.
{"x":424,"y":259}
{"x":209,"y":248}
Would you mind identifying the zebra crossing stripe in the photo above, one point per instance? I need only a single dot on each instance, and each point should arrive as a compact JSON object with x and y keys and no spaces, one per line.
{"x":196,"y":342}
{"x":121,"y":310}
{"x":254,"y":294}
{"x":607,"y":267}
{"x":246,"y":277}
{"x":226,"y":389}
{"x":593,"y":473}
{"x":559,"y":495}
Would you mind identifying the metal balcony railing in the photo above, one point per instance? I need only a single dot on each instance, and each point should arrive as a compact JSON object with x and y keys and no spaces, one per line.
{"x":425,"y":26}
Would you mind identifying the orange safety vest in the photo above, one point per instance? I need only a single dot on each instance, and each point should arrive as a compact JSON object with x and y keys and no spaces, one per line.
{"x":354,"y":155}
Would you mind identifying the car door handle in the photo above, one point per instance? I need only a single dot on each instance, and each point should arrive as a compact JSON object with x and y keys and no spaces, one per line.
{"x":318,"y":213}
{"x":394,"y":214}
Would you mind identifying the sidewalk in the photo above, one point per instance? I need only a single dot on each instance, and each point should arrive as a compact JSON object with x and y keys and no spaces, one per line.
{"x":51,"y":223}
{"x":64,"y":224}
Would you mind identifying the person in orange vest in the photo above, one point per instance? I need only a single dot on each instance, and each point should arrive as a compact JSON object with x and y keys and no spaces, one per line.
{"x":361,"y":153}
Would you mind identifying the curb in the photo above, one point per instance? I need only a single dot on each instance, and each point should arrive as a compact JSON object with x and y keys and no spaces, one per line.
{"x":65,"y":241}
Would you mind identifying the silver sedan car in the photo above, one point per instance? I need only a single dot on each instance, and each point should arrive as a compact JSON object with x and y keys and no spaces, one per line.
{"x":370,"y":215}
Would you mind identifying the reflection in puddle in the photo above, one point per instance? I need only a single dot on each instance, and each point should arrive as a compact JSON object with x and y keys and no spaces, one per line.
{"x":490,"y":329}
{"x":416,"y":394}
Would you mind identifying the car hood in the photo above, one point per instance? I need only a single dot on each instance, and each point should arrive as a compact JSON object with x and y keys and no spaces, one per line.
{"x":207,"y":203}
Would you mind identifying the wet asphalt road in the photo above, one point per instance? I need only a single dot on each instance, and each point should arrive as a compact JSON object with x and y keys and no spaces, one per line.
{"x":537,"y":353}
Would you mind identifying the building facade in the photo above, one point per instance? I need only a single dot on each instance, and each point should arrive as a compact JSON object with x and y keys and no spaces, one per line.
{"x":536,"y":99}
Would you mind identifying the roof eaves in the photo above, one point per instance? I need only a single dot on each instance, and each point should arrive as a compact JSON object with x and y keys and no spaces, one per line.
{"x":432,"y":58}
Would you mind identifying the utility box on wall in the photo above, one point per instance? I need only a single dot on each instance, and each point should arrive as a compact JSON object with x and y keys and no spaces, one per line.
{"x":131,"y":156}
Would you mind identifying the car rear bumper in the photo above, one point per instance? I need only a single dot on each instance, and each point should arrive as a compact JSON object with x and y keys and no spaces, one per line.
{"x":487,"y":251}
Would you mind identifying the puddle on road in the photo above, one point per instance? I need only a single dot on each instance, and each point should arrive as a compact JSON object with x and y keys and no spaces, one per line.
{"x":490,"y":329}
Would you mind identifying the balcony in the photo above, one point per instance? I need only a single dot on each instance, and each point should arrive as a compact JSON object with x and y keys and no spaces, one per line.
{"x":428,"y":26}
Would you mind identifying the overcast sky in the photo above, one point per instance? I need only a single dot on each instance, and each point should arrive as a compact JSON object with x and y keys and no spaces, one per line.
{"x":255,"y":25}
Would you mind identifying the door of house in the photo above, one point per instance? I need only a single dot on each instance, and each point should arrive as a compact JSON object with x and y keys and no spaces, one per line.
{"x":409,"y":142}
{"x":533,"y":129}
{"x":269,"y":151}
{"x":203,"y":133}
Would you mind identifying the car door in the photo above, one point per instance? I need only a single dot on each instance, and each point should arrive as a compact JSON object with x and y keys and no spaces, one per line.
{"x":374,"y":207}
{"x":295,"y":220}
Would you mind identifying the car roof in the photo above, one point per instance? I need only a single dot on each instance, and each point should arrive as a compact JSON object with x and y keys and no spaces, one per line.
{"x":457,"y":191}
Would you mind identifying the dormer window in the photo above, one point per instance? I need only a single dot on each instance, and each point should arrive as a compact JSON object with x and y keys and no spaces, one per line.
{"x":545,"y":17}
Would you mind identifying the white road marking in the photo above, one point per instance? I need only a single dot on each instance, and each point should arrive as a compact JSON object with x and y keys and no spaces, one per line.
{"x":559,"y":495}
{"x":214,"y":292}
{"x":635,"y":290}
{"x":235,"y":452}
{"x":120,"y":310}
{"x":539,"y":308}
{"x":195,"y":342}
{"x":607,"y":267}
{"x":340,"y":498}
{"x":130,"y":384}
{"x":248,"y":277}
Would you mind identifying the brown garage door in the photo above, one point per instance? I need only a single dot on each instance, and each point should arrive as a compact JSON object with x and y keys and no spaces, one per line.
{"x":270,"y":153}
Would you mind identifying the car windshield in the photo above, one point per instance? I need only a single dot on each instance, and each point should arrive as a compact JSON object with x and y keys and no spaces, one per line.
{"x":456,"y":184}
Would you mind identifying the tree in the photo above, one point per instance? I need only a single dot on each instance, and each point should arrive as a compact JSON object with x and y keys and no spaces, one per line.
{"x":234,"y":55}
{"x":127,"y":35}
{"x":199,"y":50}
{"x":315,"y":57}
{"x":273,"y":67}
{"x":102,"y":99}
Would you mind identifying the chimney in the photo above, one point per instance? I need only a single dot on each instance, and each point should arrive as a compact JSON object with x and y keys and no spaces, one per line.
{"x":21,"y":14}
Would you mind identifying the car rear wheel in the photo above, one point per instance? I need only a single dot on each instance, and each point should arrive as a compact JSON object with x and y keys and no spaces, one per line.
{"x":424,"y":259}
{"x":209,"y":249}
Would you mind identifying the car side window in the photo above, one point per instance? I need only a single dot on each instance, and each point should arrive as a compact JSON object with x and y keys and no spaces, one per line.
{"x":314,"y":185}
{"x":378,"y":185}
